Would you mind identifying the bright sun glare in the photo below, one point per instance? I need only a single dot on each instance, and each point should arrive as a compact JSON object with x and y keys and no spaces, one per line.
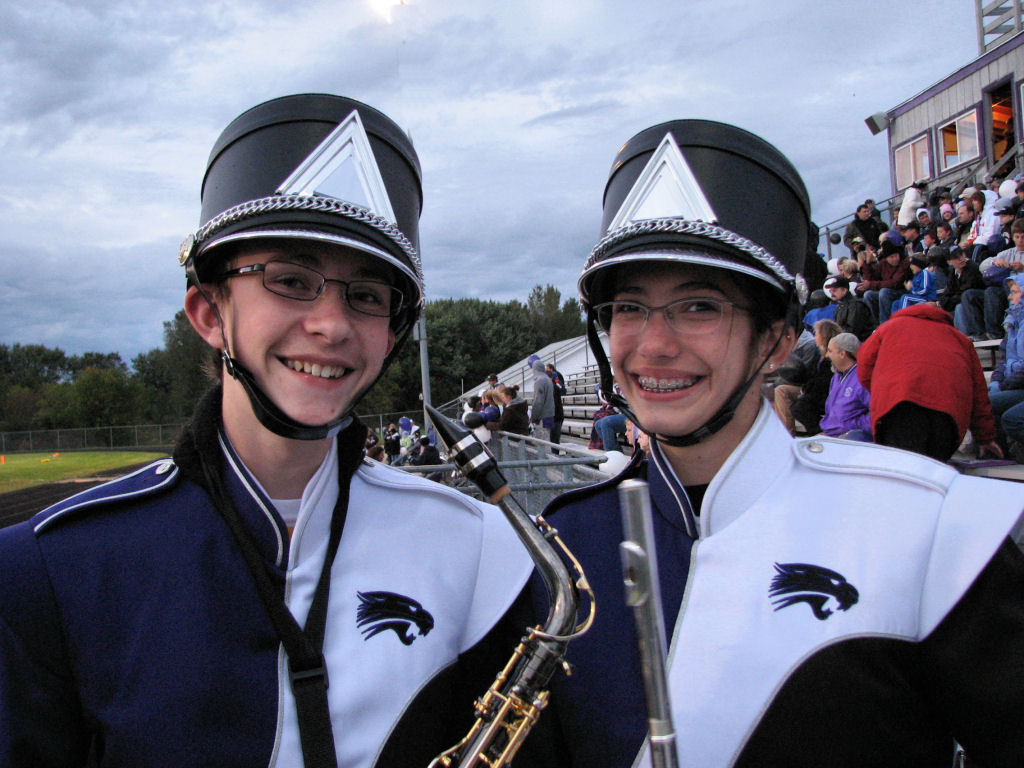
{"x":383,"y":7}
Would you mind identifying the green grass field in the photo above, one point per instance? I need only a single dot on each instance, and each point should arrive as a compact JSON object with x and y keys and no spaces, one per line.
{"x":23,"y":470}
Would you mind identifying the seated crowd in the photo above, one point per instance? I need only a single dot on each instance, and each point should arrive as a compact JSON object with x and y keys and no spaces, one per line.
{"x":886,"y":351}
{"x":886,"y":346}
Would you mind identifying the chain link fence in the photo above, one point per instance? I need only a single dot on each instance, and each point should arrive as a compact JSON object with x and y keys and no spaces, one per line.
{"x":154,"y":437}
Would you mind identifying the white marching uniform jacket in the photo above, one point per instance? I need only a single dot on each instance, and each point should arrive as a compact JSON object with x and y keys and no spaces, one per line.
{"x":834,"y":603}
{"x":129,"y":624}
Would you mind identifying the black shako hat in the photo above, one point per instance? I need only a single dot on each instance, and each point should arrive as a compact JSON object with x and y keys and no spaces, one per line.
{"x":316,"y":167}
{"x":704,"y":192}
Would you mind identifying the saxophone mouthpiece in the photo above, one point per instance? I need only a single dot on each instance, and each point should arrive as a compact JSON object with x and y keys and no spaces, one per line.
{"x":470,"y":455}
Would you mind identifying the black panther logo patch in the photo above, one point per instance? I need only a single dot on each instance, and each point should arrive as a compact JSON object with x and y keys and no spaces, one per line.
{"x":819,"y":587}
{"x":380,"y":611}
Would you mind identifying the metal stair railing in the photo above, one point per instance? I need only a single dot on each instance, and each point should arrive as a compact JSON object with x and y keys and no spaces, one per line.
{"x":535,"y":474}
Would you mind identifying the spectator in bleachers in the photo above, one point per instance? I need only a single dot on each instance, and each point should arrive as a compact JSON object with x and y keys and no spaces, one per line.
{"x":1006,"y":209}
{"x":820,"y":305}
{"x":945,"y":235}
{"x":947,"y":213}
{"x":962,"y":275}
{"x":983,"y":310}
{"x":866,"y":255}
{"x":913,"y":199}
{"x":473,"y":418}
{"x":1007,"y":255}
{"x":809,"y":407}
{"x":912,"y":242}
{"x":558,"y":384}
{"x":927,"y":386}
{"x":964,"y":224}
{"x":938,"y":198}
{"x":490,"y":407}
{"x":924,"y":219}
{"x":492,"y":381}
{"x":797,"y":371}
{"x":1006,"y":389}
{"x":557,"y":378}
{"x":608,"y":429}
{"x":929,"y":238}
{"x":920,"y":288}
{"x":515,"y":416}
{"x":852,"y":314}
{"x":986,"y":222}
{"x":937,"y":257}
{"x":603,"y":410}
{"x":865,"y":226}
{"x":393,"y":443}
{"x":847,"y":407}
{"x":472,"y":405}
{"x":428,"y":456}
{"x":542,"y":412}
{"x":850,"y":271}
{"x":883,"y":280}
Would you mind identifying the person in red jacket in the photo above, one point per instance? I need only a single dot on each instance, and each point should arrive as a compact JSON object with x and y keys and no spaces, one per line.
{"x":883,"y":280}
{"x":927,"y":386}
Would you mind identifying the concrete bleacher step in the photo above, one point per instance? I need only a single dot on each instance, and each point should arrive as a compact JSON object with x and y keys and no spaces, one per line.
{"x":579,"y":404}
{"x":577,"y":428}
{"x":582,"y":412}
{"x":988,"y":353}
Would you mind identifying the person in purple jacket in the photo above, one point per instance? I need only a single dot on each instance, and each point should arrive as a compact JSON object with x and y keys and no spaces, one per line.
{"x":847,"y":409}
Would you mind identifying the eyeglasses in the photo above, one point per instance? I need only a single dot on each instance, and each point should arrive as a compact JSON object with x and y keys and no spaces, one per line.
{"x":294,"y":281}
{"x":690,"y":316}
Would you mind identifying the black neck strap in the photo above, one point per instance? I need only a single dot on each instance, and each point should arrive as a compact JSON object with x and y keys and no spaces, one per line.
{"x":303,"y":646}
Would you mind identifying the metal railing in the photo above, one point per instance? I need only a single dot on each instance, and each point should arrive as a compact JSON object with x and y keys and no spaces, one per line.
{"x":535,"y":472}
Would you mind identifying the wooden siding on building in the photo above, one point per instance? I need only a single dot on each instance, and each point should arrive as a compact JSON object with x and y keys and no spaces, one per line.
{"x":956,"y":99}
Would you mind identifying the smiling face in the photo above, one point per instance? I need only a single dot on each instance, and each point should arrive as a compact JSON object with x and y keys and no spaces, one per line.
{"x":675,"y":381}
{"x":839,"y":359}
{"x":313,"y":359}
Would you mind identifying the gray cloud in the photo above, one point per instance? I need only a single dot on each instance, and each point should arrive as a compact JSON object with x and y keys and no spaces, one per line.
{"x":108,"y":111}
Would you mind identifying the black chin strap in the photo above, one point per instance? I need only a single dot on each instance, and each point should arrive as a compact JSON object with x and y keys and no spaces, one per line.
{"x":272,"y":417}
{"x":715,"y":424}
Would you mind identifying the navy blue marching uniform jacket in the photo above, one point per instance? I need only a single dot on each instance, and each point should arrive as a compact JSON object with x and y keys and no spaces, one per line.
{"x":834,"y":604}
{"x":129,"y":624}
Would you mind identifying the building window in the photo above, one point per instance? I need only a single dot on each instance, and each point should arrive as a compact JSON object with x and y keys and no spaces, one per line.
{"x":912,"y":163}
{"x":959,"y":140}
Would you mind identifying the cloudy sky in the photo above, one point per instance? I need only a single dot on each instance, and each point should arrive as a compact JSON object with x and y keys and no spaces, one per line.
{"x":108,"y":111}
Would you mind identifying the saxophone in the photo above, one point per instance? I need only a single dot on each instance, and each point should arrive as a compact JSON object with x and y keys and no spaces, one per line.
{"x":512,"y":705}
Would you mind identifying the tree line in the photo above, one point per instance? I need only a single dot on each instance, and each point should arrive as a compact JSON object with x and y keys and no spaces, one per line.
{"x":44,"y":388}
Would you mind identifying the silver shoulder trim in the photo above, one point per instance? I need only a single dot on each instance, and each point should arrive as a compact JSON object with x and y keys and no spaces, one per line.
{"x":94,"y":500}
{"x":243,"y":477}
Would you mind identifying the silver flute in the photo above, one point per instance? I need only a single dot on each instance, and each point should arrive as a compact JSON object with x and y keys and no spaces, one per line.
{"x":643,"y":594}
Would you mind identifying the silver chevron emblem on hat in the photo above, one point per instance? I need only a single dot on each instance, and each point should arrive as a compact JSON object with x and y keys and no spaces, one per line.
{"x":343,"y":167}
{"x":665,"y":189}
